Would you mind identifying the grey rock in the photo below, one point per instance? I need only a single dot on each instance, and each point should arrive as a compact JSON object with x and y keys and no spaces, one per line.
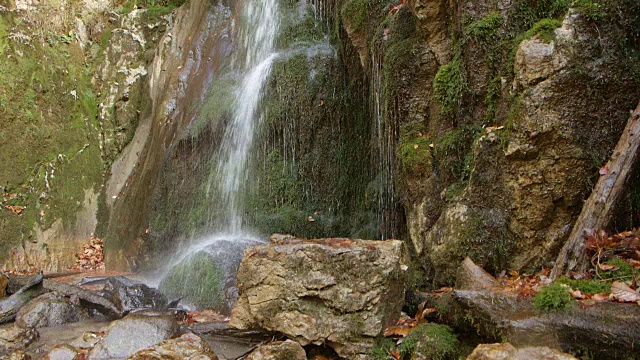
{"x":49,"y":310}
{"x":133,"y":333}
{"x":128,"y":296}
{"x":63,"y":352}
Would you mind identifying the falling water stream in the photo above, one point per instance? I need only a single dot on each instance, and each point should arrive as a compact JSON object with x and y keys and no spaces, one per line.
{"x":256,"y":54}
{"x":257,"y":40}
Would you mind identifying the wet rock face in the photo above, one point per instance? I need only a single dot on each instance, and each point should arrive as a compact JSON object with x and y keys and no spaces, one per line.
{"x":336,"y":292}
{"x":15,"y":338}
{"x":187,"y":346}
{"x":506,"y":351}
{"x":49,"y":310}
{"x":279,"y":350}
{"x":128,"y":297}
{"x":133,"y":333}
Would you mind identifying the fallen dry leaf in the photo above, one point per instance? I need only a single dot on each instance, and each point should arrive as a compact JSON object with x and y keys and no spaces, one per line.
{"x":397,"y":331}
{"x":622,"y":292}
{"x":607,"y":267}
{"x":577,"y":294}
{"x":600,"y":297}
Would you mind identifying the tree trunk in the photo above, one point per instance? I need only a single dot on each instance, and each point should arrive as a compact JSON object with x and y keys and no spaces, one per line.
{"x":598,"y":209}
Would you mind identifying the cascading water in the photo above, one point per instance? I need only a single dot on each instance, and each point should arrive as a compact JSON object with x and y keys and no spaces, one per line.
{"x":189,"y":275}
{"x":257,"y":38}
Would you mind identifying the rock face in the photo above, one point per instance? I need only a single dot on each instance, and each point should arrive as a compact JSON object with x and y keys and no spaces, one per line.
{"x":506,"y":351}
{"x":336,"y":292}
{"x":279,"y":350}
{"x":133,"y":333}
{"x":49,"y":310}
{"x":188,"y":346}
{"x":15,"y":338}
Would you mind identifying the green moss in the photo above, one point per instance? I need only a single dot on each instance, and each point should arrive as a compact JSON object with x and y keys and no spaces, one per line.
{"x":360,"y":12}
{"x":305,"y":31}
{"x":590,"y":9}
{"x":485,"y":28}
{"x":592,"y":286}
{"x":554,"y":296}
{"x":625,"y":272}
{"x":382,"y":349}
{"x":197,"y":279}
{"x":453,"y":149}
{"x":415,"y":154}
{"x":448,"y":86}
{"x":431,"y":341}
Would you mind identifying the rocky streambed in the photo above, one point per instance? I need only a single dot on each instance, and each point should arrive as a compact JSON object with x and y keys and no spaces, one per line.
{"x":306,"y":299}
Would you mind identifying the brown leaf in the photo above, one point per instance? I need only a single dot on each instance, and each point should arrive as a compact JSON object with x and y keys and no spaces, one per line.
{"x":577,"y":294}
{"x":623,"y":292}
{"x":397,"y":331}
{"x":607,"y":267}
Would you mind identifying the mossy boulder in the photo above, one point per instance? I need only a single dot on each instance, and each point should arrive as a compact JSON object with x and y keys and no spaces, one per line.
{"x":205,"y":279}
{"x":430,"y":341}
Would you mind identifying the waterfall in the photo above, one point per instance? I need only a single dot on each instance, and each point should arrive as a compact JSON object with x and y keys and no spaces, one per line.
{"x":257,"y":42}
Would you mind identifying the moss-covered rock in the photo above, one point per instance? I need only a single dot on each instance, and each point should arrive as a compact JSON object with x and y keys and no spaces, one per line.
{"x":197,"y":280}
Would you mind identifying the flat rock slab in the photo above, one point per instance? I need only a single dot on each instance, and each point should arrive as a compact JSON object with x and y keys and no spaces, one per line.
{"x":336,"y":292}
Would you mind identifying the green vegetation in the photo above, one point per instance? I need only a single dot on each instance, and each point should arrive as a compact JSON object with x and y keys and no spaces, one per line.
{"x":415,"y":154}
{"x":431,"y":341}
{"x":625,"y":272}
{"x":592,"y":286}
{"x":590,"y":9}
{"x":448,"y":86}
{"x":197,"y":279}
{"x":360,"y":12}
{"x":307,"y":30}
{"x":485,"y":28}
{"x":383,"y":349}
{"x":554,"y":296}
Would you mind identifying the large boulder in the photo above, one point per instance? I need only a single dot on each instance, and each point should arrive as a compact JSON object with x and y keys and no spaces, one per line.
{"x":337,"y":292}
{"x":16,"y":338}
{"x":133,"y":333}
{"x":188,"y":346}
{"x":49,"y":309}
{"x":506,"y":351}
{"x":279,"y":350}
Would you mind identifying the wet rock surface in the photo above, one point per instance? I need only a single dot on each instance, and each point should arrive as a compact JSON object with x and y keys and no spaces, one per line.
{"x":279,"y":350}
{"x":187,"y":346}
{"x":128,"y":296}
{"x":337,"y":292}
{"x":133,"y":333}
{"x":63,"y":352}
{"x":16,"y":338}
{"x":49,"y":310}
{"x":506,"y":351}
